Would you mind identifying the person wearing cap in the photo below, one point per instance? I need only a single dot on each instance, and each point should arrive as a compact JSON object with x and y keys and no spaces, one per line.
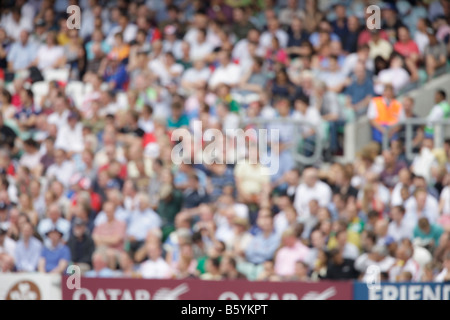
{"x":435,"y":54}
{"x":28,"y":250}
{"x":55,"y":256}
{"x":81,"y":245}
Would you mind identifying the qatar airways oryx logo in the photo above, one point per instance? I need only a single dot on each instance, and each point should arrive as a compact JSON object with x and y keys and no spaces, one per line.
{"x":230,"y":146}
{"x":310,"y":295}
{"x":130,"y":294}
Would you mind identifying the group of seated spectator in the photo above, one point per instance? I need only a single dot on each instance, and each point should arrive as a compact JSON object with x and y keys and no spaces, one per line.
{"x":87,"y":178}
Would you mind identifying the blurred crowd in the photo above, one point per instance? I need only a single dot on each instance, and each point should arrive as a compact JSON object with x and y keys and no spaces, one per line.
{"x":87,"y":116}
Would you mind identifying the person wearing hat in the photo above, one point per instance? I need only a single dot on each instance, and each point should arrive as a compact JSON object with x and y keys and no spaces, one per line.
{"x":55,"y":256}
{"x":81,"y":244}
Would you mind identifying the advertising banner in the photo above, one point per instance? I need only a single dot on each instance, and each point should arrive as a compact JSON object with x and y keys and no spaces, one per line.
{"x":146,"y":289}
{"x":30,"y":286}
{"x":402,"y":291}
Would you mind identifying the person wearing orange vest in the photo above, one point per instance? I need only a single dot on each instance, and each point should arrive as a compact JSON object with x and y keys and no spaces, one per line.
{"x":385,"y":112}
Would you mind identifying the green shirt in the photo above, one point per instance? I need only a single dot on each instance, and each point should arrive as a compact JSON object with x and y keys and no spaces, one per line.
{"x":182,"y":121}
{"x":435,"y":233}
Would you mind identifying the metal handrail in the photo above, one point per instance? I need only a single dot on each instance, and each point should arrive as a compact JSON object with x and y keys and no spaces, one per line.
{"x":318,"y":146}
{"x":438,"y":133}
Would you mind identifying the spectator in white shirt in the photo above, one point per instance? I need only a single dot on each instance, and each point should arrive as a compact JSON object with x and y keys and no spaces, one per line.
{"x":70,"y":136}
{"x":377,"y":257}
{"x":228,"y":72}
{"x":311,"y":188}
{"x":420,"y":205}
{"x":241,"y":50}
{"x":129,"y":30}
{"x":399,"y":228}
{"x":62,"y":170}
{"x":167,"y":69}
{"x":155,"y":267}
{"x":50,"y":55}
{"x":201,"y":48}
{"x":421,"y":36}
{"x":171,"y":43}
{"x":196,"y":77}
{"x":404,"y":263}
{"x":405,"y":180}
{"x":273,"y":30}
{"x":15,"y":22}
{"x":425,"y":163}
{"x":395,"y":75}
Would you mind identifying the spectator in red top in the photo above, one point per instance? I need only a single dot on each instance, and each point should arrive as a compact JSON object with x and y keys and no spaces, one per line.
{"x":409,"y":50}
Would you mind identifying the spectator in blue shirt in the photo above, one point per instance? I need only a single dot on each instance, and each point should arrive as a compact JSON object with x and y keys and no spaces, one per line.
{"x":360,"y":91}
{"x":22,"y":53}
{"x":115,"y":73}
{"x":28,"y":250}
{"x":55,"y":257}
{"x":264,"y":244}
{"x":222,"y":180}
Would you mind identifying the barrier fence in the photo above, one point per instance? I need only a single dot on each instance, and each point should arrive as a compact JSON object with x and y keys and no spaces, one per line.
{"x":35,"y":286}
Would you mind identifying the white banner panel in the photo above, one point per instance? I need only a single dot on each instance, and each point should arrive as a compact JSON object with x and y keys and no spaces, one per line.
{"x":30,"y":286}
